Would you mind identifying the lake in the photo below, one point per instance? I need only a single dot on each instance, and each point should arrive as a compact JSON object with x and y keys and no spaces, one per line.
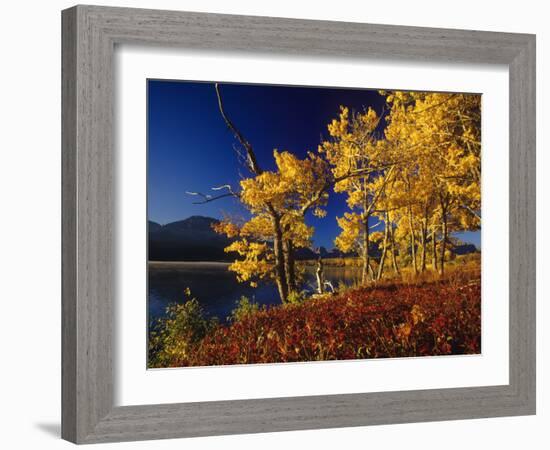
{"x":217,"y":289}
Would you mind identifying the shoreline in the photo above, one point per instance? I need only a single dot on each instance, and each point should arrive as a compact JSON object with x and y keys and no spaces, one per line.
{"x":187,"y":264}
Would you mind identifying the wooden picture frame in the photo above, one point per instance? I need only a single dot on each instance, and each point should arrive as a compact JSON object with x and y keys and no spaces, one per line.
{"x":90,"y":34}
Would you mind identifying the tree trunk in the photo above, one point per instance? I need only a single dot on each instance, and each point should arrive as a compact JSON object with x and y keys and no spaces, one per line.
{"x":383,"y":256}
{"x":434,"y":250}
{"x":366,"y":255}
{"x":290,"y":268}
{"x":280,"y":273}
{"x":320,"y":273}
{"x":413,"y":242}
{"x":443,"y":243}
{"x":392,"y":242}
{"x":423,"y":242}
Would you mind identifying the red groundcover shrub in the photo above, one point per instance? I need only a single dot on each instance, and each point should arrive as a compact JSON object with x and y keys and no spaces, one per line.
{"x":380,"y":322}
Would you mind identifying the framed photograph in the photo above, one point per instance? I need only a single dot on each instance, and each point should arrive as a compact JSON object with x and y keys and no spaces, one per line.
{"x":277,"y":224}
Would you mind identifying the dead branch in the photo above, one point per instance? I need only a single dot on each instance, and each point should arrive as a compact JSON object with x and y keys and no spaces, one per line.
{"x":471,"y":211}
{"x":372,"y":227}
{"x":228,"y":187}
{"x":251,"y":156}
{"x":209,"y":198}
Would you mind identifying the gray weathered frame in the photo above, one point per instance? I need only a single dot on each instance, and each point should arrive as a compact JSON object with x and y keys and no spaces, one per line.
{"x":89,"y":36}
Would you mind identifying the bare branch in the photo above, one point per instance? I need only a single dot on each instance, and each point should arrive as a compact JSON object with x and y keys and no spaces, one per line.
{"x":219,"y":188}
{"x":225,"y":186}
{"x":252,"y":162}
{"x":363,"y":172}
{"x":251,"y":157}
{"x":209,"y":198}
{"x":205,"y":196}
{"x":471,"y":211}
{"x":229,"y":190}
{"x":375,"y":225}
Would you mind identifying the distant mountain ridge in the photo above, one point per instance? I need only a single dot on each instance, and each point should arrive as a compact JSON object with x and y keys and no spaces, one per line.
{"x":191,"y":239}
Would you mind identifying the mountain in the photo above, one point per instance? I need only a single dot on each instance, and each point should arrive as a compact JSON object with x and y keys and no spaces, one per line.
{"x":308,"y":254}
{"x":153,"y":226}
{"x":192,"y":239}
{"x":464,"y":249}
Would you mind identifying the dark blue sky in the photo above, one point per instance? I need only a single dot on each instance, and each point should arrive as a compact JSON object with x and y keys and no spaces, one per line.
{"x":191,"y":149}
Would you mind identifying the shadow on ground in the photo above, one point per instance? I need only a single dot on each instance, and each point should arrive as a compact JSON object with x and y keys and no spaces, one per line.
{"x":53,"y":429}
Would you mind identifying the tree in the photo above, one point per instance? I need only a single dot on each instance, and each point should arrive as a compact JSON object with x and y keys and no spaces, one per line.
{"x":418,"y":175}
{"x":278,"y":202}
{"x":362,"y":166}
{"x":442,"y":134}
{"x":420,"y":179}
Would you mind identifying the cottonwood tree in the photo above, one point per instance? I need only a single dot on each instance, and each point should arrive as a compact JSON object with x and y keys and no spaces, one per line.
{"x":362,"y":166}
{"x":440,"y":184}
{"x":278,"y":202}
{"x":420,"y":179}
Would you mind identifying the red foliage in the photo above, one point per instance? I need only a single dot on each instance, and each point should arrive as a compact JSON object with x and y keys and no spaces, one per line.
{"x":380,"y":322}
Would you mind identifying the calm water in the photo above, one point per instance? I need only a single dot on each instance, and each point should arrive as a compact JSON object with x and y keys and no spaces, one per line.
{"x":217,"y":289}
